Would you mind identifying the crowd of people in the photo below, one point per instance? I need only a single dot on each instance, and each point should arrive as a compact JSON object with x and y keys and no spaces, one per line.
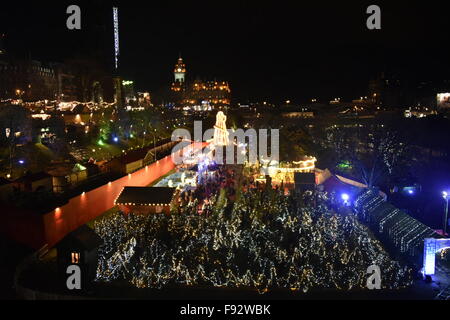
{"x":211,"y":181}
{"x":261,"y":239}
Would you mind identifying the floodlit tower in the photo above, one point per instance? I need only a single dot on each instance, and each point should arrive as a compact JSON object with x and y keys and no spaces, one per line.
{"x":180,"y":71}
{"x":116,"y":37}
{"x":220,"y":130}
{"x":117,"y":82}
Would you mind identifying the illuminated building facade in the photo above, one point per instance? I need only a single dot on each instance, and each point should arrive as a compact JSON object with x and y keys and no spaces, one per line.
{"x":180,"y":71}
{"x":198,"y":95}
{"x":128,"y":91}
{"x":144,"y":98}
{"x":285,"y":172}
{"x":443,"y":100}
{"x":27,"y":80}
{"x":88,"y":77}
{"x":212,"y":93}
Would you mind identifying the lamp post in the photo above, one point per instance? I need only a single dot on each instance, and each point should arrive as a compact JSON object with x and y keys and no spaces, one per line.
{"x":154,"y":145}
{"x":8,"y":134}
{"x":143,"y":141}
{"x":446,"y":197}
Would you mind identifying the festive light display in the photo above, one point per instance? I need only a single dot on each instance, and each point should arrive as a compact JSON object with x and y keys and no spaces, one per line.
{"x":116,"y":36}
{"x":220,"y":130}
{"x":264,"y":240}
{"x":403,"y":231}
{"x":431,"y":247}
{"x":284,"y":172}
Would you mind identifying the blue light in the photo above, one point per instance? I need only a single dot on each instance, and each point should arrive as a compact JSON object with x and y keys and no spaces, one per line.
{"x":411,"y":192}
{"x":431,"y":247}
{"x":345,"y":197}
{"x":21,"y":161}
{"x":116,"y":139}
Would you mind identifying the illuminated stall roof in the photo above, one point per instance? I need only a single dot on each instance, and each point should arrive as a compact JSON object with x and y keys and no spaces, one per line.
{"x":145,"y":196}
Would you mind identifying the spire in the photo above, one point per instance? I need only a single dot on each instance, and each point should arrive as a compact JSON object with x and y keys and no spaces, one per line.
{"x":180,"y":70}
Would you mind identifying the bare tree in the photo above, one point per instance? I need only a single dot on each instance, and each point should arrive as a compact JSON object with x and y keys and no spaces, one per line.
{"x":376,"y":154}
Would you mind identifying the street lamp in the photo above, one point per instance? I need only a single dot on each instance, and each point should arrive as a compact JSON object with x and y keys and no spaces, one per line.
{"x":345,"y":197}
{"x":445,"y":195}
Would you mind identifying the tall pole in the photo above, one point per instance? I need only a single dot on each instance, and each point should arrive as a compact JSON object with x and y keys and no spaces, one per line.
{"x":10,"y":160}
{"x":446,"y":216}
{"x":154,"y":143}
{"x":116,"y":37}
{"x":154,"y":146}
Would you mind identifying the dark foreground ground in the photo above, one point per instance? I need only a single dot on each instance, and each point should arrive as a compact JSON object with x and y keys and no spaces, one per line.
{"x":11,"y":254}
{"x":42,"y":277}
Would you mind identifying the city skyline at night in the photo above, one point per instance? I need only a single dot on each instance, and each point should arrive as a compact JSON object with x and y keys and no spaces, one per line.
{"x":225,"y":156}
{"x":296,"y":51}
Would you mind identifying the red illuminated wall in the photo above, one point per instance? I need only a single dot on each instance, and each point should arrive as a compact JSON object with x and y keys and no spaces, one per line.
{"x":90,"y":205}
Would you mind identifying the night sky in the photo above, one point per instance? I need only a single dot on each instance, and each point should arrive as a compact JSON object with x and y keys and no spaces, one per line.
{"x":271,"y":51}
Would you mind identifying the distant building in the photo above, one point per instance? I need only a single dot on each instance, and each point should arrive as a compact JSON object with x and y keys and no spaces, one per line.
{"x":130,"y":162}
{"x":298,"y":114}
{"x":79,"y":248}
{"x":395,"y":91}
{"x":198,"y":95}
{"x":66,"y":83}
{"x":40,"y":181}
{"x":31,"y":81}
{"x":67,"y":176}
{"x":27,"y":80}
{"x":443,"y":100}
{"x":128,"y":91}
{"x":419,"y":112}
{"x":390,"y":91}
{"x":203,"y":94}
{"x":144,"y":98}
{"x":82,"y":79}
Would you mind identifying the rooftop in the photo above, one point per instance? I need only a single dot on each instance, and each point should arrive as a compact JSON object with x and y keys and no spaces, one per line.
{"x":83,"y":237}
{"x":31,"y":177}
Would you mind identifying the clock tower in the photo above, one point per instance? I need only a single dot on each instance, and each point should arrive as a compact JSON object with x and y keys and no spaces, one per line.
{"x":180,"y":71}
